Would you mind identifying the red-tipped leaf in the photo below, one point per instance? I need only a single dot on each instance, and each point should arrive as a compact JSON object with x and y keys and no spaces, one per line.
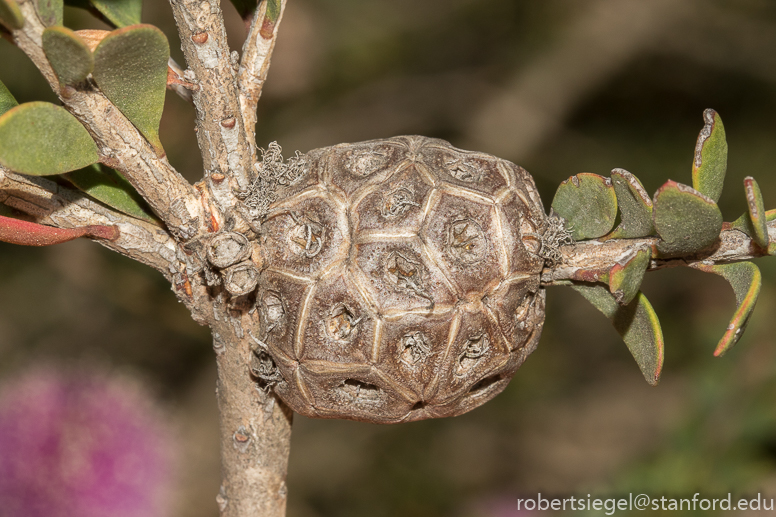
{"x":25,"y":233}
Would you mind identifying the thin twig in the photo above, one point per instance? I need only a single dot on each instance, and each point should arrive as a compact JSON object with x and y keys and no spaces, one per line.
{"x":225,"y":148}
{"x":586,"y":257}
{"x":257,"y":52}
{"x":51,"y":204}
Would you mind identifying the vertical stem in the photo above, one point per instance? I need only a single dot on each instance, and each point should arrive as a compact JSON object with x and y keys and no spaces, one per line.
{"x":220,"y":130}
{"x":255,"y":438}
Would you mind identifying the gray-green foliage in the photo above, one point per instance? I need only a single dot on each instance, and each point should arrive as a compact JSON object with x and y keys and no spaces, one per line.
{"x":110,"y":187}
{"x":68,"y":54}
{"x":119,"y":13}
{"x":686,"y":221}
{"x":130,"y":68}
{"x":42,"y":139}
{"x":10,"y":14}
{"x":7,"y":101}
{"x":588,"y":204}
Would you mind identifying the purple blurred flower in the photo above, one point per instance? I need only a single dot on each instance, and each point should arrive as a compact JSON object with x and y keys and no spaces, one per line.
{"x":78,"y":443}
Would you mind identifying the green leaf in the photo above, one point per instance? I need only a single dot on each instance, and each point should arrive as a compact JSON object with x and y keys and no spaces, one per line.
{"x":710,"y":163}
{"x":41,"y":139}
{"x":50,"y":11}
{"x":636,"y":323}
{"x":625,"y":277}
{"x":635,"y":207}
{"x":588,"y":204}
{"x":10,"y":14}
{"x":121,"y":13}
{"x":111,"y":188}
{"x":7,"y":100}
{"x":686,"y":220}
{"x":130,"y":67}
{"x":68,"y":54}
{"x":754,"y":200}
{"x":745,"y":279}
{"x":754,"y":222}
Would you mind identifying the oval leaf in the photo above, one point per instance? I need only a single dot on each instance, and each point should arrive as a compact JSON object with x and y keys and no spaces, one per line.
{"x":625,"y":277}
{"x":120,"y":13}
{"x":68,"y":54}
{"x":41,"y":139}
{"x":109,"y":186}
{"x":635,"y":207}
{"x":686,"y":220}
{"x":754,"y":222}
{"x":636,"y":323}
{"x":588,"y":204}
{"x":770,"y":215}
{"x":7,"y":100}
{"x":50,"y":11}
{"x":754,"y":200}
{"x":710,"y":163}
{"x":130,"y":67}
{"x":16,"y":231}
{"x":745,"y":279}
{"x":10,"y":14}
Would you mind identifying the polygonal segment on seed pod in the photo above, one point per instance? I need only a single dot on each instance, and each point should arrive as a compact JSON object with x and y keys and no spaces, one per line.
{"x":474,"y":171}
{"x":490,"y":386}
{"x":280,"y":304}
{"x":354,"y":165}
{"x":398,"y":277}
{"x":525,"y":190}
{"x":480,"y":393}
{"x":478,"y":351}
{"x":311,"y":175}
{"x":522,"y":239}
{"x":465,"y":238}
{"x":354,"y":391}
{"x":517,"y":308}
{"x":292,"y":390}
{"x":395,"y":206}
{"x":412,"y":349}
{"x":305,"y":236}
{"x":338,"y":326}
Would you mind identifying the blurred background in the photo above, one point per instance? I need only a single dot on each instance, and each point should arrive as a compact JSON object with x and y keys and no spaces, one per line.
{"x":559,"y":87}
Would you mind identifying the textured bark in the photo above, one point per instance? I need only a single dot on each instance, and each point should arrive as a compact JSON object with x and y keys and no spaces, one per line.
{"x":48,"y":203}
{"x":255,"y":430}
{"x":257,"y":52}
{"x":220,"y":129}
{"x":583,"y":260}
